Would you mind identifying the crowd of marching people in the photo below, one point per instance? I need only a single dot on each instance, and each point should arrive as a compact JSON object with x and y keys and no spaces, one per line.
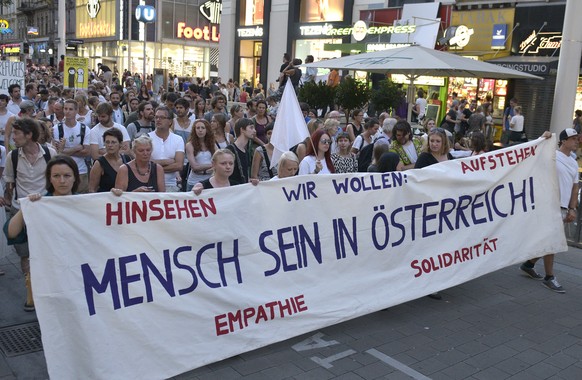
{"x":126,"y":138}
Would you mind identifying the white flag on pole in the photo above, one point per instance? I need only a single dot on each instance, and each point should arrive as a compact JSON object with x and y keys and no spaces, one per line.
{"x":290,"y":128}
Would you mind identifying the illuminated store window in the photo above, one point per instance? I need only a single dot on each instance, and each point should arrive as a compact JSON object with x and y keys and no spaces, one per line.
{"x":303,"y":48}
{"x":321,"y":10}
{"x":251,"y":12}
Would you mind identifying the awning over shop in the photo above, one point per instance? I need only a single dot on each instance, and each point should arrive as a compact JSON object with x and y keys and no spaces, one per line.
{"x":542,"y":66}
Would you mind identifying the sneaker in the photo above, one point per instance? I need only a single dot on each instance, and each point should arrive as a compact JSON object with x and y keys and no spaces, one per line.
{"x":435,"y":296}
{"x":531,"y":272}
{"x":554,"y":285}
{"x":28,"y":308}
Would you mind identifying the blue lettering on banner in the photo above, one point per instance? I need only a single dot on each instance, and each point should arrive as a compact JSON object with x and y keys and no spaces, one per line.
{"x":294,"y":239}
{"x":109,"y":281}
{"x":304,"y":191}
{"x":369,"y":182}
{"x":292,"y":248}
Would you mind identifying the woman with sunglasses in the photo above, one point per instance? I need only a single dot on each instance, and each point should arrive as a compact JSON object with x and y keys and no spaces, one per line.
{"x":318,"y":157}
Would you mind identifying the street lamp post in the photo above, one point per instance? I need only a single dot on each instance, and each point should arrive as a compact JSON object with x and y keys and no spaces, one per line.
{"x":145,"y":14}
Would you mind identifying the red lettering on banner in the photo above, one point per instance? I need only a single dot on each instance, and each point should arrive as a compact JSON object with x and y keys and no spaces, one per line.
{"x":240,"y":319}
{"x":146,"y":211}
{"x":447,"y":259}
{"x":501,"y":159}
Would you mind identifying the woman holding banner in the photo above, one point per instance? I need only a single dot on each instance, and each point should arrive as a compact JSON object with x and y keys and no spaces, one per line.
{"x":222,"y":167}
{"x":140,"y":174}
{"x":435,"y":151}
{"x":62,"y":178}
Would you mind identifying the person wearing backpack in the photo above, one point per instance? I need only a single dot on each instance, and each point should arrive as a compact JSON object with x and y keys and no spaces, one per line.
{"x":145,"y":123}
{"x":367,"y":137}
{"x":24,"y":179}
{"x":71,"y":138}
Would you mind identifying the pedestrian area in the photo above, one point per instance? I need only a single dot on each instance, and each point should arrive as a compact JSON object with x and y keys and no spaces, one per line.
{"x":503,"y":325}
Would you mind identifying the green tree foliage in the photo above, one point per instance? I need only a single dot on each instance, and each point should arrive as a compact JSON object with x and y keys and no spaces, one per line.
{"x":317,"y":95}
{"x":5,"y":2}
{"x":351,"y":94}
{"x":386,"y":96}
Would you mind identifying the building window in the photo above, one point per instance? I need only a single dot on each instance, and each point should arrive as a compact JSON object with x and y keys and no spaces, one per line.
{"x":251,"y":12}
{"x":321,"y":10}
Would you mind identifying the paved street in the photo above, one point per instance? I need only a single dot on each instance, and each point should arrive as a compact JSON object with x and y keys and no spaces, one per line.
{"x":500,"y":326}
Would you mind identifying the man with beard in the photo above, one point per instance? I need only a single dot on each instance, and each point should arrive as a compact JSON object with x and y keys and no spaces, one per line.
{"x":104,"y":113}
{"x":15,"y":98}
{"x":144,"y":124}
{"x":404,"y":145}
{"x":118,"y":114}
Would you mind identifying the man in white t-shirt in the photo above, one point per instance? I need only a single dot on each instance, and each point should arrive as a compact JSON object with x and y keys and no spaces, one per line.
{"x":567,"y":169}
{"x":72,"y":138}
{"x":104,"y":113}
{"x":168,"y":148}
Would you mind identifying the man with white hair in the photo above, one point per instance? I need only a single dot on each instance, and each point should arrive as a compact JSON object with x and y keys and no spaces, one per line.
{"x":387,"y":126}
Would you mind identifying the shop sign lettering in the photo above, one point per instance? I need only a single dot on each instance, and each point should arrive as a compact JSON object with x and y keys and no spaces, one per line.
{"x":92,"y":29}
{"x":541,"y":43}
{"x":359,"y":30}
{"x":206,"y":33}
{"x":250,"y":32}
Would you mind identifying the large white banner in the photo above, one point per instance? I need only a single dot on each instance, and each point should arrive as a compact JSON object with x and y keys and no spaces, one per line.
{"x":147,"y":286}
{"x":11,"y":73}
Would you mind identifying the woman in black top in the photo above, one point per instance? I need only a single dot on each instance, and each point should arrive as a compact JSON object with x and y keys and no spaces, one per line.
{"x":140,"y":174}
{"x":436,"y":150}
{"x":104,"y":171}
{"x":222,"y":167}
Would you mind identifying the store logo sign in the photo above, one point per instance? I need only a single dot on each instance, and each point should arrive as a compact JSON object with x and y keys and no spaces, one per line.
{"x":499,"y":36}
{"x":359,"y":31}
{"x":250,"y":32}
{"x":206,"y":34}
{"x":93,"y":8}
{"x":212,"y":10}
{"x":145,"y":13}
{"x":541,"y":43}
{"x":457,"y":37}
{"x":5,"y":27}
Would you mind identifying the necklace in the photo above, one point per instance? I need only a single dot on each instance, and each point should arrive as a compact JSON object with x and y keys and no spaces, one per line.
{"x":140,"y":173}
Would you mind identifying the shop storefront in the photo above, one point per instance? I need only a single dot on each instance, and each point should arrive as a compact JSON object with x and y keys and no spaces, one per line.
{"x":251,"y":41}
{"x":11,"y":52}
{"x":314,"y":26}
{"x":480,"y":34}
{"x":535,"y":50}
{"x":183,"y":40}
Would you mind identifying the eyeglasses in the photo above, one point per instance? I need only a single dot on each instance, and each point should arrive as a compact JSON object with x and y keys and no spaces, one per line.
{"x":327,"y":142}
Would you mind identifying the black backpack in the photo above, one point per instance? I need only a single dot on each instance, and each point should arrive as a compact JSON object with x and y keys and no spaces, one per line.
{"x":365,"y":155}
{"x":62,"y":131}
